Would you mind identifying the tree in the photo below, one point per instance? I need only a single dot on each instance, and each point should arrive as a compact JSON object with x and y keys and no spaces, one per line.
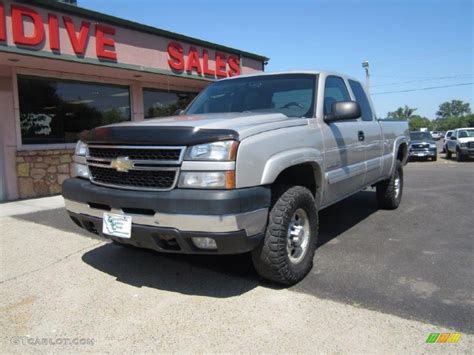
{"x":445,"y":124}
{"x":402,"y":113}
{"x":455,"y":108}
{"x":416,"y":122}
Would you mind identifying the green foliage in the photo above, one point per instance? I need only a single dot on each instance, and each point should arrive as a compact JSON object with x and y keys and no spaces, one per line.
{"x":450,"y":115}
{"x":445,"y":124}
{"x":454,"y":114}
{"x":402,"y":113}
{"x":455,"y":108}
{"x":416,"y":122}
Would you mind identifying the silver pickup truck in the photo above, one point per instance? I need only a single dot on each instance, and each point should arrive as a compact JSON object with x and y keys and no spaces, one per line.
{"x":245,"y":168}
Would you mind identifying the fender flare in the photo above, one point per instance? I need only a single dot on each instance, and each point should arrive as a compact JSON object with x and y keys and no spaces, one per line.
{"x":396,"y":145}
{"x":283,"y":160}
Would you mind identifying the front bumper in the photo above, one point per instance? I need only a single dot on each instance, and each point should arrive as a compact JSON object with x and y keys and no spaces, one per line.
{"x":166,"y":221}
{"x":467,"y":151}
{"x":423,"y":153}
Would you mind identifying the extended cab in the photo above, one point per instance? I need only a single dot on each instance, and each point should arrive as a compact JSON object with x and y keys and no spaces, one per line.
{"x":245,"y":168}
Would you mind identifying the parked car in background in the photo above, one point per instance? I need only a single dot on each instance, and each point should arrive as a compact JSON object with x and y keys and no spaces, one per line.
{"x":461,"y":143}
{"x":445,"y":138}
{"x":436,"y":135}
{"x":423,"y":146}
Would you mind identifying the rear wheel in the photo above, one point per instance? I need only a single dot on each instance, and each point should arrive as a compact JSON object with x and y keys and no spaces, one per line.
{"x":389,"y":192}
{"x":286,"y":254}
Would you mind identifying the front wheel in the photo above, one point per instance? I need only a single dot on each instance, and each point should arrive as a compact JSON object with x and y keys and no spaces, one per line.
{"x":286,"y":254}
{"x":389,"y":192}
{"x":459,"y":156}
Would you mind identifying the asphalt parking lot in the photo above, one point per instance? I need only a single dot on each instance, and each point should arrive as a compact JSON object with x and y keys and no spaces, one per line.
{"x":388,"y":277}
{"x":417,"y":261}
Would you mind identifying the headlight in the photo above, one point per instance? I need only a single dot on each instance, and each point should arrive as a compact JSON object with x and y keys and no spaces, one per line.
{"x":432,"y":145}
{"x":463,"y":145}
{"x":221,"y":151}
{"x":79,"y":167}
{"x":81,"y":149}
{"x":207,"y":179}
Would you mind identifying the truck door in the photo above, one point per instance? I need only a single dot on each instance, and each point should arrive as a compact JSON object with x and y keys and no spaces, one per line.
{"x":344,"y":154}
{"x":372,"y":137}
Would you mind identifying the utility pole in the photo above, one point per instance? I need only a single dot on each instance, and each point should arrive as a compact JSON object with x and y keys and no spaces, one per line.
{"x":365,"y":65}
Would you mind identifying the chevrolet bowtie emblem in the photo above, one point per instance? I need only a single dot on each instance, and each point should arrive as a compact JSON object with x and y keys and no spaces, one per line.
{"x":122,"y":164}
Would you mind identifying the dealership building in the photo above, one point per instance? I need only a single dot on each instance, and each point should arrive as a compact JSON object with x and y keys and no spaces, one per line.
{"x":65,"y":69}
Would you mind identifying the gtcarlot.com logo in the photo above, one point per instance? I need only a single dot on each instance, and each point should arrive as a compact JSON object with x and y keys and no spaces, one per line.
{"x":44,"y":341}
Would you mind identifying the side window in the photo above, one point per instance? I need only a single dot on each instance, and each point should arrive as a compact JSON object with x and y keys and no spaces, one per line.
{"x":334,"y":91}
{"x":362,"y":99}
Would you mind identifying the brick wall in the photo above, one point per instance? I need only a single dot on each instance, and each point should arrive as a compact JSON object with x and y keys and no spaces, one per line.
{"x":42,"y":172}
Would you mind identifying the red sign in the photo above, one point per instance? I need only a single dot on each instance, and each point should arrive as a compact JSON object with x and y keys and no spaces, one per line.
{"x":37,"y":29}
{"x":198,"y":61}
{"x":78,"y":37}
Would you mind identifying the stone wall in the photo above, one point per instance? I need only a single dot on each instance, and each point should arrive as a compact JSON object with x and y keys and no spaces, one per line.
{"x":42,"y":172}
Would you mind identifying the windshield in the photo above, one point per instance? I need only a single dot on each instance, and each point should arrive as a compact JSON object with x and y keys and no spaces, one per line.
{"x":421,"y":136}
{"x":465,"y":133}
{"x":289,"y":94}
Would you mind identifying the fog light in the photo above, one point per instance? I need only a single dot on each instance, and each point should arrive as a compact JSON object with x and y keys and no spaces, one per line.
{"x":204,"y":243}
{"x":80,"y":170}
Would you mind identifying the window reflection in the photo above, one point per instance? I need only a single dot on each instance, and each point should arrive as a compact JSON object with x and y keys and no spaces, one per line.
{"x":55,"y":111}
{"x":159,"y":103}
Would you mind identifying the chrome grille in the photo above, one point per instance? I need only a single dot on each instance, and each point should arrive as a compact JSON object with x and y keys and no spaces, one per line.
{"x":420,"y":146}
{"x":136,"y":179}
{"x":471,"y":144}
{"x":158,"y":154}
{"x":135,"y":167}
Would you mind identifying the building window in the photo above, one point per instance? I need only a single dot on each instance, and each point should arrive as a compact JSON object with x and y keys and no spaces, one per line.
{"x":159,"y":103}
{"x":55,"y":111}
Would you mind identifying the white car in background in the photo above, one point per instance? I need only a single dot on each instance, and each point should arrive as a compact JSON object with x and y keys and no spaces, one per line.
{"x":461,"y":143}
{"x":436,"y":135}
{"x":446,"y":137}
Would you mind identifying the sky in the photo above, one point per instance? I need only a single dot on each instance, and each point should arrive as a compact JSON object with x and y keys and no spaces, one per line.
{"x":410,"y":44}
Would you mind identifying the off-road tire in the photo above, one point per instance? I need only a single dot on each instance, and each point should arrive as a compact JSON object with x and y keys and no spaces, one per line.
{"x":387,"y":197}
{"x":270,"y":258}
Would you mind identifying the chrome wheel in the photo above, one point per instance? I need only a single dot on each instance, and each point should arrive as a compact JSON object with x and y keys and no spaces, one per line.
{"x":397,"y":185}
{"x":298,"y":236}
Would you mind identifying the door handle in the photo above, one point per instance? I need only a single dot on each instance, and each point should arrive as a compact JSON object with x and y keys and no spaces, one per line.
{"x":361,"y":136}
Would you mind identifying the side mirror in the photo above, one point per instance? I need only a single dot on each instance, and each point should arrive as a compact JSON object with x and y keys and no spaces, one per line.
{"x":343,"y":110}
{"x":178,"y":112}
{"x":453,"y":138}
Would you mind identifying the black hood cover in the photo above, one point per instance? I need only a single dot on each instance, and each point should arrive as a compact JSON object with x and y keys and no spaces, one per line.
{"x":162,"y":135}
